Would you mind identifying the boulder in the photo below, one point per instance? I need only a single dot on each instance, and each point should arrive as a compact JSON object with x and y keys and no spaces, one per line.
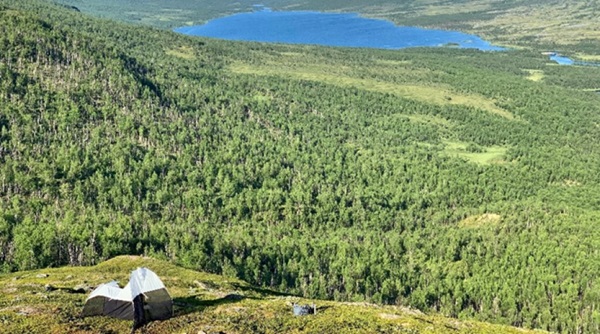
{"x":81,"y":288}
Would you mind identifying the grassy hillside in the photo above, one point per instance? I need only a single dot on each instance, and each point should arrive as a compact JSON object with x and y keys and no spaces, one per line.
{"x":446,"y":180}
{"x":203,"y":303}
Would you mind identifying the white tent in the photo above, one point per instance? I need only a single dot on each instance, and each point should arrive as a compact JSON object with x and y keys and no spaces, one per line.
{"x":143,"y":299}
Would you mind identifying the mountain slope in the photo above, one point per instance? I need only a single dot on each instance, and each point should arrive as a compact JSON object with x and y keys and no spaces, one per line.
{"x":443,"y":179}
{"x":203,"y":303}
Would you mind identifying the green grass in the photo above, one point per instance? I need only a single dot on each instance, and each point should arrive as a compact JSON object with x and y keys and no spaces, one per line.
{"x":534,"y":75}
{"x":487,"y":219}
{"x":439,"y":94}
{"x":561,"y":22}
{"x":184,"y":52}
{"x":488,"y":155}
{"x":203,"y":303}
{"x":442,"y":8}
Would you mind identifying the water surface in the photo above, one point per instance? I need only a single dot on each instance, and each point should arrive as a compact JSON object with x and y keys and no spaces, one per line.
{"x":561,"y":60}
{"x":331,"y":29}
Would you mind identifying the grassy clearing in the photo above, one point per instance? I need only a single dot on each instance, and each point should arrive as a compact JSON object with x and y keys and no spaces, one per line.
{"x":486,"y":219}
{"x":262,"y":98}
{"x":184,"y":52}
{"x":535,"y":75}
{"x":422,"y":9}
{"x":167,"y":16}
{"x":437,"y":94}
{"x":466,"y":7}
{"x":480,"y":155}
{"x":203,"y":303}
{"x":570,"y":183}
{"x":565,"y":22}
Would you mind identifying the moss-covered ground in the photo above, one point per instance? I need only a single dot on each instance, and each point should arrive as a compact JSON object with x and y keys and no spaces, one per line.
{"x":203,"y":303}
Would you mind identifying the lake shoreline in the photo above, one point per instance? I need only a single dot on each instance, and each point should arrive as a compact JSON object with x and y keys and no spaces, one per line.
{"x":331,"y":29}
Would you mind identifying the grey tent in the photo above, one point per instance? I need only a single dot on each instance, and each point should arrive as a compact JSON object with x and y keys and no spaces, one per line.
{"x":143,"y":299}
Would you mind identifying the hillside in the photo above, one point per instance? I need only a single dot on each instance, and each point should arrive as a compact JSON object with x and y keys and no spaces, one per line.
{"x":570,"y":25}
{"x":204,"y":303}
{"x":452,"y":181}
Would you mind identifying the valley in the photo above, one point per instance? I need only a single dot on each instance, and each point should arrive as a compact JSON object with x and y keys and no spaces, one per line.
{"x":460,"y":183}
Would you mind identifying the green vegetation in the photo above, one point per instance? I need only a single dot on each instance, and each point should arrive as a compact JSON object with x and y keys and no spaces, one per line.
{"x":543,"y":23}
{"x":475,"y":153}
{"x":203,"y":303}
{"x":335,"y":181}
{"x":535,"y":75}
{"x":437,"y":94}
{"x":184,"y":52}
{"x":485,"y":220}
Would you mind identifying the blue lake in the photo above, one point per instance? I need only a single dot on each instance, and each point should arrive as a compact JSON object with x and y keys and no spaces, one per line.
{"x":561,"y":60}
{"x":331,"y":29}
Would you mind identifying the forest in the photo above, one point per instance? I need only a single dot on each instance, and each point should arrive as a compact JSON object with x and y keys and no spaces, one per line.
{"x":449,"y":180}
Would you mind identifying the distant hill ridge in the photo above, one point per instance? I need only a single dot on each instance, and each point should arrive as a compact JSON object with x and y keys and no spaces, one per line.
{"x":525,"y":23}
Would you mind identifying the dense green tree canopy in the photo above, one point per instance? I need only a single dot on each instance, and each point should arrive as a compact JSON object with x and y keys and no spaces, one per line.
{"x":438,"y":178}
